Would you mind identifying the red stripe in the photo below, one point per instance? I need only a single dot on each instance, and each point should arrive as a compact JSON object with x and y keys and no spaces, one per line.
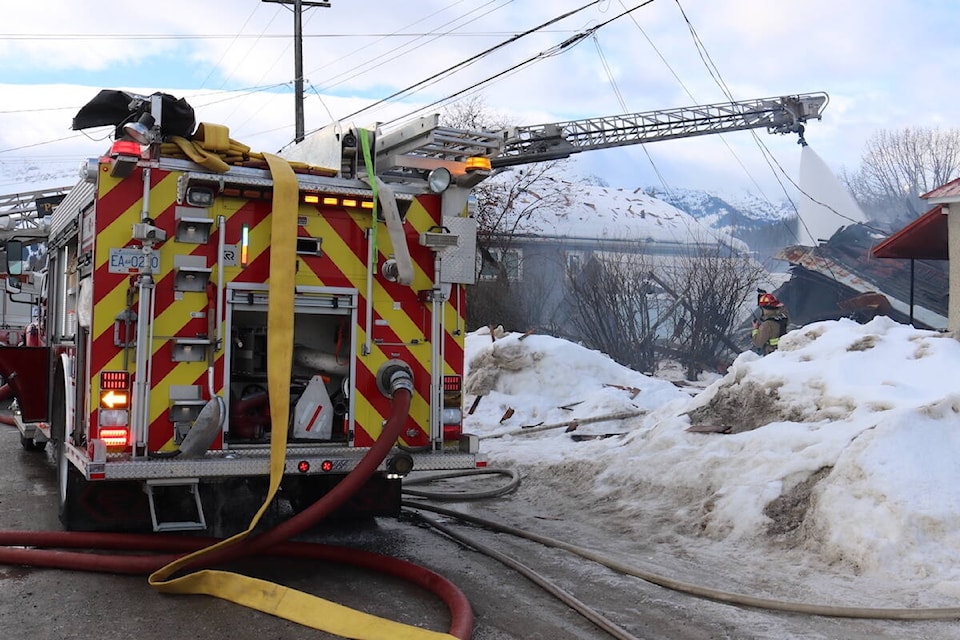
{"x":313,"y":418}
{"x":115,"y":202}
{"x":349,"y":229}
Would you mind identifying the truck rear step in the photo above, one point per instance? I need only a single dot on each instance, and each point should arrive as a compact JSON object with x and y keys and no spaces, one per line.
{"x":175,"y":504}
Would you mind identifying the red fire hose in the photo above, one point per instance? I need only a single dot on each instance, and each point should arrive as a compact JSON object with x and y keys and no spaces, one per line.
{"x":49,"y":545}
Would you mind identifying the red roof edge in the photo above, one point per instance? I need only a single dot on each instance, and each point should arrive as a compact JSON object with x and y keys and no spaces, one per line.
{"x":923,"y":239}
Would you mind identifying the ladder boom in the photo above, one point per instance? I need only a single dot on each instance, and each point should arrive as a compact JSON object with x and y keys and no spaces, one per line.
{"x":537,"y":143}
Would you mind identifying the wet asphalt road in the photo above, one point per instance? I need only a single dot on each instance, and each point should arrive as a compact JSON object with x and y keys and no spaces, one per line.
{"x":53,"y":604}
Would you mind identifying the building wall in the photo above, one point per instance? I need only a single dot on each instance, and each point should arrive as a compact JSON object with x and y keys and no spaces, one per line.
{"x":953,"y":234}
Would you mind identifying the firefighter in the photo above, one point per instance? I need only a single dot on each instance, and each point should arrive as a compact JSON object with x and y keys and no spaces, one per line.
{"x":771,"y":325}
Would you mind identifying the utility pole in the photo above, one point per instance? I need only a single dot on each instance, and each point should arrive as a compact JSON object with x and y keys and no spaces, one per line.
{"x":298,"y":56}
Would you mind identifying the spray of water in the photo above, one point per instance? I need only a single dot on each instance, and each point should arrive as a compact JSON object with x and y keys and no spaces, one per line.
{"x":825,"y":204}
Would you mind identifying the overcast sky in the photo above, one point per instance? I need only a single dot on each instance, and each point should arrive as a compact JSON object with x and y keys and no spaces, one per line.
{"x":886,"y":64}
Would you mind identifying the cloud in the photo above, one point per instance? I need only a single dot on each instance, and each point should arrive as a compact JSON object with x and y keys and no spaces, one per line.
{"x":883,"y":65}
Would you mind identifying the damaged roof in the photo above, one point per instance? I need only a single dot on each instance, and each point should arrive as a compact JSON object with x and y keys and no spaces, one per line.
{"x":846,"y":266}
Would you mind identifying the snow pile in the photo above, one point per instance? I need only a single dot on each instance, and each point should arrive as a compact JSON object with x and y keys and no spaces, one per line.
{"x":845,"y":442}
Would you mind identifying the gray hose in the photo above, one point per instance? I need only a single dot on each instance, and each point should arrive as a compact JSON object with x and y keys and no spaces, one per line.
{"x":449,"y":497}
{"x":701,"y":591}
{"x":568,"y":599}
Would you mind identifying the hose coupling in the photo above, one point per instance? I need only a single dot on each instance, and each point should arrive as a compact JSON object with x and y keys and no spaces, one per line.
{"x":394,"y":375}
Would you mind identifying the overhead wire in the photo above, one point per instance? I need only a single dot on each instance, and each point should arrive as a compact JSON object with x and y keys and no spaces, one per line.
{"x":268,"y":36}
{"x":689,"y":93}
{"x":701,"y":229}
{"x":228,"y":47}
{"x":765,"y":151}
{"x":715,"y":74}
{"x":354,"y":72}
{"x":245,"y":55}
{"x":555,"y":50}
{"x":623,"y":105}
{"x":570,"y":41}
{"x":471,"y":60}
{"x":434,"y":34}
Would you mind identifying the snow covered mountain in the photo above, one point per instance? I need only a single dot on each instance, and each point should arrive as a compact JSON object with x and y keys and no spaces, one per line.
{"x":742,"y":211}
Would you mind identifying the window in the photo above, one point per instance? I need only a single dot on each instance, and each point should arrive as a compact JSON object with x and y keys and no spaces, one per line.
{"x":511,"y":260}
{"x":574,"y":262}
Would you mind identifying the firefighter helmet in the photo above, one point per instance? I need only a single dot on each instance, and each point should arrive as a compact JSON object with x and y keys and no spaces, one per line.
{"x":769,"y":301}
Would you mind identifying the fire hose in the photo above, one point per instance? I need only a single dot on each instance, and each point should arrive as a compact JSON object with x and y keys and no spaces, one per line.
{"x":177,"y":572}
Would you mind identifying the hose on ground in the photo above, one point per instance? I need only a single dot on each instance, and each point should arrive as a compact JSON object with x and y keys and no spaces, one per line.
{"x":45,"y":551}
{"x":565,"y":597}
{"x":874,"y":613}
{"x":47,"y":546}
{"x":456,"y":496}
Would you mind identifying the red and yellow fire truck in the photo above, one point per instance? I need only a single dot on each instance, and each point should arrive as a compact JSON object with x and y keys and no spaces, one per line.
{"x":204,"y":305}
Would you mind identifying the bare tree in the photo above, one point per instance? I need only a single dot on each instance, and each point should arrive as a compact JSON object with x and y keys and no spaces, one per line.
{"x":609,"y":308}
{"x":506,"y":209}
{"x":712,"y":285}
{"x":896,"y":167}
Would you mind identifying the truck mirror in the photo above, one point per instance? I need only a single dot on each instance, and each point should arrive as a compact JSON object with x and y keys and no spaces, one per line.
{"x":14,"y":257}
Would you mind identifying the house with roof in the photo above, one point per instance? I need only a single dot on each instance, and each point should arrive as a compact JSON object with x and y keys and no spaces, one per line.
{"x":936,"y":236}
{"x":594,"y":223}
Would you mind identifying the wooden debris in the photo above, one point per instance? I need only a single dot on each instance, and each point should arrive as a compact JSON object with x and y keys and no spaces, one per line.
{"x":526,"y":334}
{"x":473,"y":407}
{"x":633,"y":390}
{"x":564,"y":425}
{"x":531,"y":426}
{"x":709,"y":428}
{"x":569,"y":407}
{"x":582,"y":437}
{"x":506,"y":415}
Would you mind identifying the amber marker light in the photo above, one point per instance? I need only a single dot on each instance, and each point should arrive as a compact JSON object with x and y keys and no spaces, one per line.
{"x":478,"y":163}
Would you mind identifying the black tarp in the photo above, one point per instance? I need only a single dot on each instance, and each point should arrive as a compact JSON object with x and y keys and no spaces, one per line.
{"x":114,"y":107}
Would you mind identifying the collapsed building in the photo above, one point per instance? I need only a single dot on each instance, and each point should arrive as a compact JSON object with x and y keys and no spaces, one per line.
{"x":860,"y":272}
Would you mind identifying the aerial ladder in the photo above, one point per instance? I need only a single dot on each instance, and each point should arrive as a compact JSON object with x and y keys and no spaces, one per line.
{"x":410,"y":147}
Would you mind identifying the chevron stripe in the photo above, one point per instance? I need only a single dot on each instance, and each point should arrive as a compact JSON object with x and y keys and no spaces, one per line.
{"x":401,"y":321}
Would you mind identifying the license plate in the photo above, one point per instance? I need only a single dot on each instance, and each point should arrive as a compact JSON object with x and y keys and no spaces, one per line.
{"x":132,"y":260}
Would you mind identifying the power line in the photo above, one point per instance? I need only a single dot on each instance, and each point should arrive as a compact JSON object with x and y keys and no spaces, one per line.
{"x":472,"y":59}
{"x":555,"y":50}
{"x":268,"y":36}
{"x":370,"y":63}
{"x":764,"y":151}
{"x":623,"y":107}
{"x":227,"y":49}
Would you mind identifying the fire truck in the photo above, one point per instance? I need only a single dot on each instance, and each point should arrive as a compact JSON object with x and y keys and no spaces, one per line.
{"x":24,"y":214}
{"x":207,"y":310}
